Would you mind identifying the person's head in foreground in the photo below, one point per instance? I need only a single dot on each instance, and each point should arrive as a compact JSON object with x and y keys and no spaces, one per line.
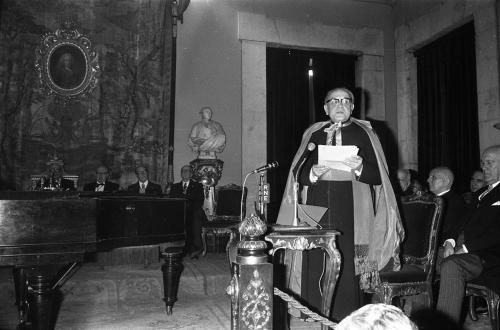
{"x":377,"y":317}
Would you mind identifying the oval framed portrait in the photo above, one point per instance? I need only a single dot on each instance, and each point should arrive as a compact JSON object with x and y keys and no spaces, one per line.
{"x":67,"y":64}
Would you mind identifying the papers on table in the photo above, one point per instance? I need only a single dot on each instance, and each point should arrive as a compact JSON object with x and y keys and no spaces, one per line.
{"x":332,"y":156}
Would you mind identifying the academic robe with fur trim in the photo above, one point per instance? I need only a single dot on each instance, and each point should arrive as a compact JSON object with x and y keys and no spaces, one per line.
{"x":376,"y":236}
{"x":337,"y":196}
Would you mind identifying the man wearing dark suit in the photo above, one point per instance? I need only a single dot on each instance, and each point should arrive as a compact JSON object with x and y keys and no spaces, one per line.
{"x":193,"y":192}
{"x":475,"y":254}
{"x":101,"y":184}
{"x":440,"y":184}
{"x":143,"y":186}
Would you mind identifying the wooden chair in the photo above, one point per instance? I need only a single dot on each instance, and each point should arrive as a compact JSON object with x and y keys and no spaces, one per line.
{"x":477,"y":289}
{"x":227,"y":214}
{"x":421,"y":219}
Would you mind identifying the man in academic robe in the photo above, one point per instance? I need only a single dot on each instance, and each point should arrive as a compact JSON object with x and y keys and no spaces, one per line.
{"x":360,"y":200}
{"x":193,"y":192}
{"x":143,"y":186}
{"x":475,"y":253}
{"x":102,"y":184}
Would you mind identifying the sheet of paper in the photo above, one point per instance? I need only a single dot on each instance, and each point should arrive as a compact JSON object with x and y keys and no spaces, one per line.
{"x":332,"y":156}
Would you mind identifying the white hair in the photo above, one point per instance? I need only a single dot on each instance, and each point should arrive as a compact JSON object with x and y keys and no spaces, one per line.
{"x":377,"y":317}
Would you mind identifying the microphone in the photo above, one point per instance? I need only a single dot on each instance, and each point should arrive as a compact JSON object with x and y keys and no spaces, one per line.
{"x":310,"y":147}
{"x":265,"y":167}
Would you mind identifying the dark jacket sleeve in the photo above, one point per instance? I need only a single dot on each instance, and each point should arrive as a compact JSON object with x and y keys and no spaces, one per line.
{"x":176,"y":190}
{"x":88,"y":187}
{"x":482,"y":228}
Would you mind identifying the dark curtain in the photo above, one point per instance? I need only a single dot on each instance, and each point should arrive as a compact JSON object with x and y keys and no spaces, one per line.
{"x":288,"y":102}
{"x":447,"y":105}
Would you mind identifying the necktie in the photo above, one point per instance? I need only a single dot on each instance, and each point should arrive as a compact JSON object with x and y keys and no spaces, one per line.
{"x":143,"y":188}
{"x":184,"y":188}
{"x":484,"y":193}
{"x":338,"y":137}
{"x":331,"y":138}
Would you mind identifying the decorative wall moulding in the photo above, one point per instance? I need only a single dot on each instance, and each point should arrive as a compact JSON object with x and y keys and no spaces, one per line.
{"x":66,"y":63}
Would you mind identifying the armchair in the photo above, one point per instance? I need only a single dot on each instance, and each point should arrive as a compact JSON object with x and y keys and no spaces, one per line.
{"x":478,"y":289}
{"x":226,"y":216}
{"x":421,"y":219}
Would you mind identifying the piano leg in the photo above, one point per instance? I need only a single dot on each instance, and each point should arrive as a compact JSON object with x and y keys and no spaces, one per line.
{"x":171,"y":269}
{"x":21,"y":288}
{"x":35,"y":293}
{"x":40,"y":296}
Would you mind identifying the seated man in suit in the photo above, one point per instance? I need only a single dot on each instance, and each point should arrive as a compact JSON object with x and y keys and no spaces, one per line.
{"x":102,"y":184}
{"x":440,"y":184}
{"x":193,"y":192}
{"x":476,"y":183}
{"x":143,"y":186}
{"x":475,"y":253}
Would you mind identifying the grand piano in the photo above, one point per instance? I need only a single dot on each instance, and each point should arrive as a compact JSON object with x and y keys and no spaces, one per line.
{"x":44,"y":235}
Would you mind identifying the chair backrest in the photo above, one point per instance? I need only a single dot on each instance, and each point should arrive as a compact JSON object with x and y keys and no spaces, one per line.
{"x":228,"y":201}
{"x":421,"y":217}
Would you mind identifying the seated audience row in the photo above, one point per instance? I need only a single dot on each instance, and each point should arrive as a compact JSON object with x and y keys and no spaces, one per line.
{"x":472,"y":251}
{"x":186,"y":188}
{"x":470,"y":228}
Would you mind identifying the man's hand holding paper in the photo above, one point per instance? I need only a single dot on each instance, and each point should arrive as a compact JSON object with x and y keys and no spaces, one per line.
{"x":337,"y":162}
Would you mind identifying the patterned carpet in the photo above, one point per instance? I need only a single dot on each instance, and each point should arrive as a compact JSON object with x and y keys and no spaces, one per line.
{"x":130,"y":297}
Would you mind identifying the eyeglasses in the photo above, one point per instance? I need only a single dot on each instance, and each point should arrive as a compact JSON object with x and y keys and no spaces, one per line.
{"x":335,"y":101}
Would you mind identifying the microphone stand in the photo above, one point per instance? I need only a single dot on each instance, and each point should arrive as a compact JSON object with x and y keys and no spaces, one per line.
{"x":295,"y":221}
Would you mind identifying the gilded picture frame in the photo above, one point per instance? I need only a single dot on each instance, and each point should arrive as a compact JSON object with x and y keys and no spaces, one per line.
{"x":67,"y":64}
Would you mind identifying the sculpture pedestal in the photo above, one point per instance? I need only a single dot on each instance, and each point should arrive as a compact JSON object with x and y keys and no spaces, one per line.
{"x":207,"y":172}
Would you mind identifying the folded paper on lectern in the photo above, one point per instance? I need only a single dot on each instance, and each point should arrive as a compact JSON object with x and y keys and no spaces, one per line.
{"x":311,"y":214}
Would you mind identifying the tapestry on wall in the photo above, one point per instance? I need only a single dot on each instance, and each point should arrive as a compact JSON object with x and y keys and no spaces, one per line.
{"x":124,"y":122}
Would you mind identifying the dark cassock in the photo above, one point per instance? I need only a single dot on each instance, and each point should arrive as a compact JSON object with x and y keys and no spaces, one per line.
{"x":361,"y":206}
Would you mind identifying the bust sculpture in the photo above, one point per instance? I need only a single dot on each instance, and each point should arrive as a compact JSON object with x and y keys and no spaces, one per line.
{"x":207,"y":136}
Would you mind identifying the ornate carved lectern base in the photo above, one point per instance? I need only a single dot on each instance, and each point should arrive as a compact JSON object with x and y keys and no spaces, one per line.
{"x":301,"y":239}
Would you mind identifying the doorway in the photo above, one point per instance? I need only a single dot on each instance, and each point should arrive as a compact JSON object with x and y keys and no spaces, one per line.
{"x":295,"y":101}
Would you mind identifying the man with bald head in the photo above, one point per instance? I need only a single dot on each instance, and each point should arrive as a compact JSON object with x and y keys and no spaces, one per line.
{"x":102,"y":184}
{"x":475,"y":255}
{"x":440,"y":184}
